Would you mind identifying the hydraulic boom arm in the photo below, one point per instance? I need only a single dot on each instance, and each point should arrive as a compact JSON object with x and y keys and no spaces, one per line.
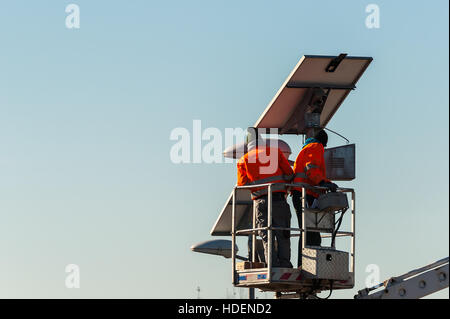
{"x":415,"y":284}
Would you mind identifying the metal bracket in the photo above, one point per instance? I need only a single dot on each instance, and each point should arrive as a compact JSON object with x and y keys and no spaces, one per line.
{"x":335,"y":63}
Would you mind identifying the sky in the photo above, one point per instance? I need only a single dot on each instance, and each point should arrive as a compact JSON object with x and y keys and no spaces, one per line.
{"x":86,"y":115}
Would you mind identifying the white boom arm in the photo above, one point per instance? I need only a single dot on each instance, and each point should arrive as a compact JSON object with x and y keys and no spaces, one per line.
{"x":415,"y":284}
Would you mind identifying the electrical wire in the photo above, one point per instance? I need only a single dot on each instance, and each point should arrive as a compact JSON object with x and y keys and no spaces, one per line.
{"x":316,"y":285}
{"x":338,"y":134}
{"x":336,"y":228}
{"x":331,"y":291}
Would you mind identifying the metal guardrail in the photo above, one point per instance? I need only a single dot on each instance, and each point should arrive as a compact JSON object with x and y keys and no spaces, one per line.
{"x":270,"y":228}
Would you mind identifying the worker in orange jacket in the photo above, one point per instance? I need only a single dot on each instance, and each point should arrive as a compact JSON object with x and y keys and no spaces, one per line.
{"x":263,"y":164}
{"x":309,"y":168}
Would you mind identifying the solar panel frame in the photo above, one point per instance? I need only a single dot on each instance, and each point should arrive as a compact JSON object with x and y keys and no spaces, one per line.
{"x":288,"y":104}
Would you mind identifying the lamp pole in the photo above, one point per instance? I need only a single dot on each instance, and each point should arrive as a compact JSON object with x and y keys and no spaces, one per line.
{"x":251,"y":291}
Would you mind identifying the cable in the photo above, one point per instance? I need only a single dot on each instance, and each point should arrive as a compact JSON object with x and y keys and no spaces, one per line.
{"x":329,"y":295}
{"x":337,"y":134}
{"x":336,"y":228}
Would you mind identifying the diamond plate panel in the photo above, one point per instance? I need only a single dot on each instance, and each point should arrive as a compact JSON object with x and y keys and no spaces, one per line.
{"x":325,"y":263}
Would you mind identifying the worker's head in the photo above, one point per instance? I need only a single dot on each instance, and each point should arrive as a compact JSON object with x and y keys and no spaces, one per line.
{"x":322,"y":137}
{"x":253,"y":138}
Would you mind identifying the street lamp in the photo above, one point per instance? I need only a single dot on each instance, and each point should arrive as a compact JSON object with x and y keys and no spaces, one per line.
{"x":219,"y":247}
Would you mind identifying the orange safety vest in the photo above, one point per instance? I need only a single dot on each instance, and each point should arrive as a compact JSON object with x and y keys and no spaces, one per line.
{"x":309,"y":167}
{"x":264,"y":165}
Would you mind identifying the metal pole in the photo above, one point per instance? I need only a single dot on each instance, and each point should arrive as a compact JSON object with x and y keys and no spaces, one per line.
{"x":251,"y":293}
{"x":254,"y":234}
{"x":251,"y":258}
{"x":353,"y":237}
{"x":269,"y":233}
{"x":303,"y":228}
{"x":233,"y":236}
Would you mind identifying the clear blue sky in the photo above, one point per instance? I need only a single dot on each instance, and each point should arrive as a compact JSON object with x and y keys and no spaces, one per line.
{"x":86,"y":115}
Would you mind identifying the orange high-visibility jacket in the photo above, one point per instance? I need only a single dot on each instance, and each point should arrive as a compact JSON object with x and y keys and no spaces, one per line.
{"x":264,"y":165}
{"x":310,"y":167}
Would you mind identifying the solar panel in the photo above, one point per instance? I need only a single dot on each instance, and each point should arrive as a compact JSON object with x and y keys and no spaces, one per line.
{"x":329,"y":78}
{"x":244,"y":210}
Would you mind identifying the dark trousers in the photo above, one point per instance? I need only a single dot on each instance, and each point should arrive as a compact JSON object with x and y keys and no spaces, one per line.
{"x":312,"y":238}
{"x":281,"y":217}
